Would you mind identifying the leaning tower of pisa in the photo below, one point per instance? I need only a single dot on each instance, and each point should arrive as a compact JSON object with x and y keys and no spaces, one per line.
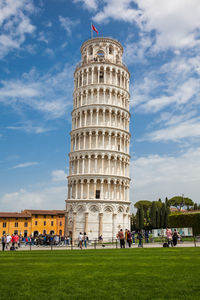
{"x":98,"y":182}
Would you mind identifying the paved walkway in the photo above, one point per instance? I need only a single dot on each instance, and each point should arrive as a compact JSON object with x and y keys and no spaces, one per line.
{"x":102,"y":246}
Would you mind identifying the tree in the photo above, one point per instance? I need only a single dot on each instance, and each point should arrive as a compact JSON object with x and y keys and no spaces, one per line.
{"x":153,"y":214}
{"x":162,"y":215}
{"x":140,"y":218}
{"x":195,"y":206}
{"x":179,"y":202}
{"x":166,"y":202}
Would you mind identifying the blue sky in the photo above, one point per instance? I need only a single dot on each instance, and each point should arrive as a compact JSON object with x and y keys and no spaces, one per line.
{"x":39,"y":49}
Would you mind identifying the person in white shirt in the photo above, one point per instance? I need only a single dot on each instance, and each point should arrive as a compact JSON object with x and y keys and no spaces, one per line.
{"x":8,"y":239}
{"x":80,"y":239}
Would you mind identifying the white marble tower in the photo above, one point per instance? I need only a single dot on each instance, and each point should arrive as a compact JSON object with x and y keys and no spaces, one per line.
{"x":98,"y":182}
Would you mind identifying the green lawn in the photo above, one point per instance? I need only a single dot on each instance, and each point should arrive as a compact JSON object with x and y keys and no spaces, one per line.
{"x":164,"y":273}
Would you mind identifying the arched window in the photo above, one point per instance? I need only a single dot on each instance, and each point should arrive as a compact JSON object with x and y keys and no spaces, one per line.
{"x":90,"y":50}
{"x":100,"y":53}
{"x":110,"y":50}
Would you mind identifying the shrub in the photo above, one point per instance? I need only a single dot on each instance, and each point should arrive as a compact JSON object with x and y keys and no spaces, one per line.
{"x":186,"y":220}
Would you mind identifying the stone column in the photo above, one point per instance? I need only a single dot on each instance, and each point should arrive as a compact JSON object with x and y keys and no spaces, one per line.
{"x":86,"y":223}
{"x":104,"y":75}
{"x":81,"y":189}
{"x":113,"y":227}
{"x":92,"y":80}
{"x":100,"y":224}
{"x":88,"y":190}
{"x":74,"y":228}
{"x":101,"y":190}
{"x":95,"y":187}
{"x":97,"y":119}
{"x":98,"y":91}
{"x":96,"y":139}
{"x":95,"y":164}
{"x":90,"y":138}
{"x":89,"y":157}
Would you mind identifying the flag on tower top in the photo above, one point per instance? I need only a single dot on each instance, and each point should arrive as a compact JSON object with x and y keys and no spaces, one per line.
{"x":93,"y":28}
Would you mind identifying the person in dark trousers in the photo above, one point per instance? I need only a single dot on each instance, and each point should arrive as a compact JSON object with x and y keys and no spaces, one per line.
{"x":175,"y":237}
{"x":120,"y":236}
{"x":140,"y":238}
{"x":3,"y":241}
{"x":129,"y":238}
{"x":146,"y":236}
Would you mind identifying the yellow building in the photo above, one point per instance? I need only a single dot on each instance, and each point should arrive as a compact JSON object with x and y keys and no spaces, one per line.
{"x":33,"y":222}
{"x":13,"y":222}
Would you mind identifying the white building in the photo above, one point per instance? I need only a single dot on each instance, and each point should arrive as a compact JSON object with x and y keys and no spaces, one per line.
{"x":98,"y":182}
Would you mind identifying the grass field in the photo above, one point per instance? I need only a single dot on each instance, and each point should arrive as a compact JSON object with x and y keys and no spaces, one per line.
{"x":164,"y":273}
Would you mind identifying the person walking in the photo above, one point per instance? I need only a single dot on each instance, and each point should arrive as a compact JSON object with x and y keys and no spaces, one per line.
{"x":140,"y":238}
{"x":3,"y":241}
{"x":169,"y":236}
{"x":85,"y":239}
{"x":133,"y":237}
{"x":146,"y":236}
{"x":175,"y":237}
{"x":129,"y":238}
{"x":80,"y":239}
{"x":8,"y":240}
{"x":120,"y":236}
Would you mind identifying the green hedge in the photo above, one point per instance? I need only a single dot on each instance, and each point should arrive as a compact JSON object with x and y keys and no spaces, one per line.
{"x":185,"y":220}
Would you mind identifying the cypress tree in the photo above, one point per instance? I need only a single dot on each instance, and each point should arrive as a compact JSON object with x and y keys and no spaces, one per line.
{"x":162,"y":215}
{"x":153,"y":215}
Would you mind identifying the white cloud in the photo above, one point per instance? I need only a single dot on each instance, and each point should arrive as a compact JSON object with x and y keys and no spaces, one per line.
{"x":58,"y":175}
{"x":15,"y":24}
{"x":176,"y":23}
{"x":25,"y":165}
{"x":157,"y":176}
{"x":185,"y":129}
{"x":68,"y":24}
{"x":46,"y":198}
{"x":88,"y":4}
{"x":49,"y":94}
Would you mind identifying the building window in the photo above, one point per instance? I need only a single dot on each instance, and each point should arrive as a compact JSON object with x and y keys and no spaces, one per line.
{"x":16,"y":218}
{"x":4,"y":224}
{"x":44,"y":232}
{"x":25,"y":224}
{"x":26,"y":218}
{"x":25,"y":233}
{"x":36,"y":216}
{"x":60,"y":232}
{"x":4,"y":218}
{"x":97,"y":194}
{"x":45,"y":217}
{"x":3,"y":232}
{"x":118,"y":147}
{"x":60,"y":217}
{"x":35,"y":222}
{"x":52,"y":217}
{"x":16,"y":224}
{"x":60,"y":223}
{"x":51,"y":223}
{"x":44,"y":223}
{"x":16,"y":232}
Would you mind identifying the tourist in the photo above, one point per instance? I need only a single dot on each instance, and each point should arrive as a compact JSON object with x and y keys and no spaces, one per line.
{"x":169,"y":236}
{"x":120,"y":236}
{"x":80,"y":239}
{"x":140,"y":238}
{"x":175,"y":237}
{"x":85,"y":239}
{"x":3,"y":241}
{"x":146,"y":236}
{"x":13,"y":241}
{"x":133,"y":237}
{"x":129,"y":238}
{"x":126,"y":237}
{"x":8,"y":240}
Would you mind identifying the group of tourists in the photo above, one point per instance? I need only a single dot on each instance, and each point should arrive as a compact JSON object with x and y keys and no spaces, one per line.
{"x":10,"y":242}
{"x":127,"y":238}
{"x":82,"y":240}
{"x":172,"y":237}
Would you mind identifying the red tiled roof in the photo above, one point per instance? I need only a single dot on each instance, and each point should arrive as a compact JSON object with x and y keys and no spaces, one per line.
{"x":44,"y":212}
{"x":14,"y":215}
